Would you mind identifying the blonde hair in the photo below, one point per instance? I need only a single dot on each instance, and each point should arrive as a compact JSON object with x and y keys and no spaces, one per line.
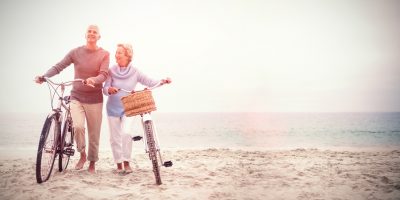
{"x":128,"y":50}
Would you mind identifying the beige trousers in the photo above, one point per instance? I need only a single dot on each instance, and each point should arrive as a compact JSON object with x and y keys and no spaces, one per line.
{"x":92,"y":114}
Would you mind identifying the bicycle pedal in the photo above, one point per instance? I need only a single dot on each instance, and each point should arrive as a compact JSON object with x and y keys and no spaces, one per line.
{"x":167,"y":163}
{"x":69,"y":151}
{"x":137,"y":138}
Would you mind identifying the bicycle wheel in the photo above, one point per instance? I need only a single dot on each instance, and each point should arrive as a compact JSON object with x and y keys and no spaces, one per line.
{"x":149,"y":128}
{"x":66,"y":147}
{"x":47,"y":148}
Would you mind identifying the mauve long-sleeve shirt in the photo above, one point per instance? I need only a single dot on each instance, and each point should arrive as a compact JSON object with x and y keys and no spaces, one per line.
{"x":123,"y":78}
{"x":87,"y":63}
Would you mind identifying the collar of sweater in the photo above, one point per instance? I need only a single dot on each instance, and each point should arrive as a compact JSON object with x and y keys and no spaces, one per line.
{"x":122,"y":72}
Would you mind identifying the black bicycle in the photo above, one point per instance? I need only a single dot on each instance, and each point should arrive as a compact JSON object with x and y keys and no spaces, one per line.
{"x":57,"y":136}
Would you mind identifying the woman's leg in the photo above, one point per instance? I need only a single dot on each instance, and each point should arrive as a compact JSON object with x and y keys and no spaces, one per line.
{"x":127,"y":129}
{"x":114,"y":124}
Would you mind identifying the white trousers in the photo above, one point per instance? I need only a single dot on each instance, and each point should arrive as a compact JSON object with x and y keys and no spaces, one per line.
{"x":121,"y":137}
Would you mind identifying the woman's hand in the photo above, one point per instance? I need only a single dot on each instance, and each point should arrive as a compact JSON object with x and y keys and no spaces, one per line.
{"x":166,"y":81}
{"x":112,"y":90}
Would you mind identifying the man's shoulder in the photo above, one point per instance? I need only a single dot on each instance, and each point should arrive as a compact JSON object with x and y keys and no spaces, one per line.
{"x":84,"y":49}
{"x":76,"y":49}
{"x":103,"y":50}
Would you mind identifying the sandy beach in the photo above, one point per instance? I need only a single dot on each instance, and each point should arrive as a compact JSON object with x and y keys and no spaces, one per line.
{"x":218,"y":174}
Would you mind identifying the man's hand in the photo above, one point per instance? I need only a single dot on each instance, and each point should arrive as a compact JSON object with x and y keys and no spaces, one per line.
{"x":90,"y":82}
{"x":39,"y":79}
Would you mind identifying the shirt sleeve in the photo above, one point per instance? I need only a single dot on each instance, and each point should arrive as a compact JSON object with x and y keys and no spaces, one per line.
{"x":145,"y":80}
{"x":107,"y":84}
{"x":103,"y":73}
{"x":64,"y":63}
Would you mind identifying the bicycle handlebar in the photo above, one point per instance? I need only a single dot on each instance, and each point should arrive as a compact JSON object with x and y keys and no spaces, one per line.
{"x":151,"y":88}
{"x":66,"y":83}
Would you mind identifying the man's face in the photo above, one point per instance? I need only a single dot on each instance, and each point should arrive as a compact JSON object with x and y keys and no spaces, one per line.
{"x":92,"y":34}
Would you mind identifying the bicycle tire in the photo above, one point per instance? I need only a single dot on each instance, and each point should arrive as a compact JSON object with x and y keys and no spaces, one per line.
{"x":47,"y":148}
{"x":67,"y":142}
{"x":149,"y":129}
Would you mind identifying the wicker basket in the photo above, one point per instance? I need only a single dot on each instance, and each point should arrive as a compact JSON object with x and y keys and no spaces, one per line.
{"x":138,"y":103}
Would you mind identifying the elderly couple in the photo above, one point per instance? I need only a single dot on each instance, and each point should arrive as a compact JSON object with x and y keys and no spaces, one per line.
{"x":91,"y":63}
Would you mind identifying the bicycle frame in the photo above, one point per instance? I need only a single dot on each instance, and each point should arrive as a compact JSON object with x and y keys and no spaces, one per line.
{"x":58,"y":119}
{"x":60,"y":95}
{"x":151,"y":138}
{"x":147,"y":117}
{"x":62,"y":100}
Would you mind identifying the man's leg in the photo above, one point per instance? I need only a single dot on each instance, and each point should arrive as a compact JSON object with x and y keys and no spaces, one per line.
{"x":93,"y":119}
{"x":78,"y":118}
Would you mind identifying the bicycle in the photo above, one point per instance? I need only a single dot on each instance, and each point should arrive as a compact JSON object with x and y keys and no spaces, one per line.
{"x":57,"y":136}
{"x":142,"y":103}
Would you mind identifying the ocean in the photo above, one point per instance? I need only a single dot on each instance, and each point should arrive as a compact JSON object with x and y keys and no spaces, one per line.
{"x":19,"y":133}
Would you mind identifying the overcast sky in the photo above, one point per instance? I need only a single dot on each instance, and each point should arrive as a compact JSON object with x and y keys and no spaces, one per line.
{"x":222,"y":55}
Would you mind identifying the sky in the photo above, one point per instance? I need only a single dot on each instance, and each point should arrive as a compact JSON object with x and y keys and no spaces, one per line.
{"x":222,"y":55}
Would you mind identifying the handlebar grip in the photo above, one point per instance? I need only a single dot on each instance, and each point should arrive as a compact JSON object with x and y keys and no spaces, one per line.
{"x":42,"y":79}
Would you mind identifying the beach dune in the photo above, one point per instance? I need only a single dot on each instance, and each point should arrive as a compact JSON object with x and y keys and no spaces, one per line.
{"x":218,"y":174}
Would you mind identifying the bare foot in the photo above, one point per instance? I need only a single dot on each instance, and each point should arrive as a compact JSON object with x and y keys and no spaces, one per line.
{"x":81,"y":161}
{"x":92,"y":168}
{"x":119,"y":167}
{"x":128,"y":168}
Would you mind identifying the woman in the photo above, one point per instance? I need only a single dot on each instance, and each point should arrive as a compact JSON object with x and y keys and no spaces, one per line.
{"x":123,"y":75}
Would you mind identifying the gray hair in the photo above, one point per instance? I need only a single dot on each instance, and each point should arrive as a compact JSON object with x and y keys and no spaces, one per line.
{"x":94,"y":26}
{"x":128,"y":50}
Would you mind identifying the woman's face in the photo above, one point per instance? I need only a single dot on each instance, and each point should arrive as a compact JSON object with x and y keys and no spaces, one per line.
{"x":121,"y":58}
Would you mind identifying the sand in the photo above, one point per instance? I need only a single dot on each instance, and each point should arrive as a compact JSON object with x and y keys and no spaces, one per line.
{"x":218,"y":174}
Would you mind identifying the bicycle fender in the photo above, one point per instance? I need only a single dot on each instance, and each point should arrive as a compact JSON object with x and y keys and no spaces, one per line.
{"x":146,"y":117}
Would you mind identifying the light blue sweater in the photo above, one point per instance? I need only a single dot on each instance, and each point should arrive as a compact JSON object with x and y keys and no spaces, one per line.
{"x":124,"y":78}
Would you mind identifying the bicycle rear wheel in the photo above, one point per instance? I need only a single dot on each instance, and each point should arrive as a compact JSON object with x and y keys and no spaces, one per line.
{"x":47,"y":148}
{"x":149,"y":129}
{"x":66,"y":147}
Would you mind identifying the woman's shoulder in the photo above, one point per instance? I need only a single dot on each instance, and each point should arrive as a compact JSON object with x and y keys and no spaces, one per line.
{"x":133,"y":68}
{"x":113,"y":67}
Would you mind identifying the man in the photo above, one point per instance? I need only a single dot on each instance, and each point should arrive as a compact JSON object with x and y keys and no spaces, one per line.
{"x":91,"y":64}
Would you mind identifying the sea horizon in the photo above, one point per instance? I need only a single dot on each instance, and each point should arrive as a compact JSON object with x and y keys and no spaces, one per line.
{"x":239,"y":130}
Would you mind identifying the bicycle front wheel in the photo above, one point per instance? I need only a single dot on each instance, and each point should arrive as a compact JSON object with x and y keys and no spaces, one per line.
{"x":66,"y":147}
{"x":151,"y":144}
{"x":47,"y":148}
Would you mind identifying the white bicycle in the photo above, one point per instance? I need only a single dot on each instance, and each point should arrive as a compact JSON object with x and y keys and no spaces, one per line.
{"x":142,"y":103}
